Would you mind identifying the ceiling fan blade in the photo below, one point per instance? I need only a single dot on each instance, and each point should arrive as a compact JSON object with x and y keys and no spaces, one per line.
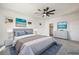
{"x":51,"y":13}
{"x":43,"y":16}
{"x":39,"y":10}
{"x":47,"y":8}
{"x":37,"y":13}
{"x":51,"y":10}
{"x":44,"y":9}
{"x":47,"y":15}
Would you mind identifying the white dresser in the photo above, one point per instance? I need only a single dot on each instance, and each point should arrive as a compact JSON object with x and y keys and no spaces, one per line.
{"x":61,"y":34}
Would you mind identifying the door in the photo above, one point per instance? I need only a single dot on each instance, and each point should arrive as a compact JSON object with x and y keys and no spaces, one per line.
{"x":51,"y":29}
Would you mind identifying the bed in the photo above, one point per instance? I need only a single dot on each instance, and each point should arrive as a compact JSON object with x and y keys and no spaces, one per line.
{"x":27,"y":43}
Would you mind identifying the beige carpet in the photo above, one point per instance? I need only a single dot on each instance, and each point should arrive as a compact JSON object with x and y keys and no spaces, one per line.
{"x":68,"y":47}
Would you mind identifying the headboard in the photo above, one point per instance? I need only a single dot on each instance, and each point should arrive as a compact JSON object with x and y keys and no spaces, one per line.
{"x":22,"y":31}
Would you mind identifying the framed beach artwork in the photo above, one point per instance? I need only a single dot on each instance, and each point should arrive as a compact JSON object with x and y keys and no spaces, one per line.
{"x":62,"y":25}
{"x":20,"y":22}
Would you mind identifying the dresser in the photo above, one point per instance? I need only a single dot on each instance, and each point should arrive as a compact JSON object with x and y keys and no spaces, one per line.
{"x":61,"y":34}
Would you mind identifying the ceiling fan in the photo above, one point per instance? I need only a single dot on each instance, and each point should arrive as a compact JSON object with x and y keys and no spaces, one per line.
{"x":47,"y":12}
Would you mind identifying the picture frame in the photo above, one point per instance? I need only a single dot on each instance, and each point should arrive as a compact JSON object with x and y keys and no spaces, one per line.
{"x":62,"y":25}
{"x":20,"y":22}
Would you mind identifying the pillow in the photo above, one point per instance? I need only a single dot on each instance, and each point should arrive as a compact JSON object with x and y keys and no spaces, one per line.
{"x":21,"y":32}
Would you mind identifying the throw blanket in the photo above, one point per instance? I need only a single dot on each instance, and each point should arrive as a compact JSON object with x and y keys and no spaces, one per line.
{"x":20,"y":42}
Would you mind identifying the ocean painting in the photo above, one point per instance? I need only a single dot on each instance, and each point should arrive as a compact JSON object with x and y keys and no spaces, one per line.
{"x":62,"y":25}
{"x":20,"y":22}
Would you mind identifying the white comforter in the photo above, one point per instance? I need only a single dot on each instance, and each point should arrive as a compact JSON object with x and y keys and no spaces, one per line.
{"x":33,"y":47}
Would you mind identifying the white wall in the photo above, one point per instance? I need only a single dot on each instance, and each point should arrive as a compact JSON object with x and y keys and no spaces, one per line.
{"x":73,"y":25}
{"x":3,"y":33}
{"x":13,"y":14}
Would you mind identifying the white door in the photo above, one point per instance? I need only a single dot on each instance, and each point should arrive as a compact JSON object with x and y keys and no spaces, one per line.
{"x":51,"y":29}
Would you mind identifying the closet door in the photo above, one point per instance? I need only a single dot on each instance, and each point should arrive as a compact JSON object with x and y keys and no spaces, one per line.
{"x":51,"y":29}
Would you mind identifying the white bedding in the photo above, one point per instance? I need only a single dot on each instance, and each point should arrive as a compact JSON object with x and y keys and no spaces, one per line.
{"x":33,"y":47}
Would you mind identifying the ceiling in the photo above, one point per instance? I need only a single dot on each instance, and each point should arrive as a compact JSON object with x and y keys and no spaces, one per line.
{"x":31,"y":8}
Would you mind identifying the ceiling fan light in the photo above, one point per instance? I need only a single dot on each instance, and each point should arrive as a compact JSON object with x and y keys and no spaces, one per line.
{"x":44,"y":14}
